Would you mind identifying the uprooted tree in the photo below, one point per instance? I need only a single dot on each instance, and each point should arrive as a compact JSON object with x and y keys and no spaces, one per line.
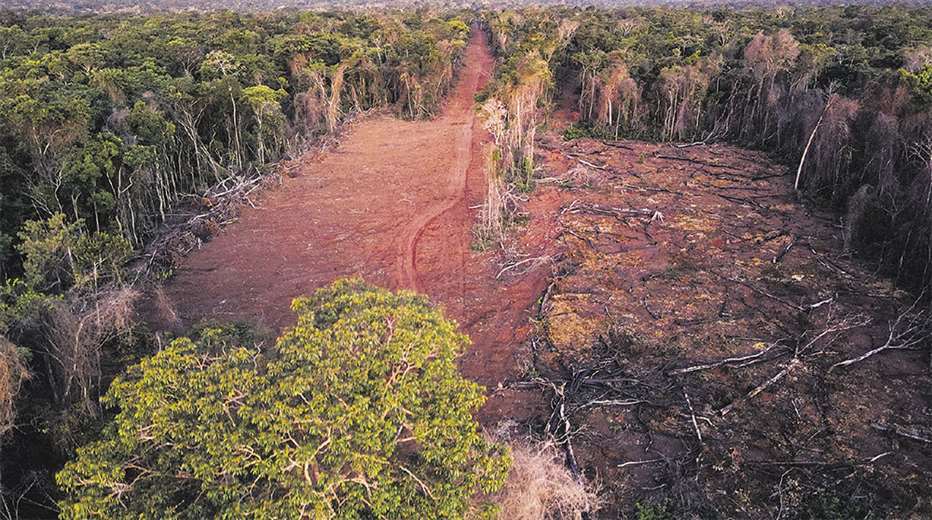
{"x":357,"y":412}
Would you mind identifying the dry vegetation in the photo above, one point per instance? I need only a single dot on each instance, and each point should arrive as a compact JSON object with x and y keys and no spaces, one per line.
{"x":13,"y":373}
{"x":74,"y":336}
{"x":540,"y":487}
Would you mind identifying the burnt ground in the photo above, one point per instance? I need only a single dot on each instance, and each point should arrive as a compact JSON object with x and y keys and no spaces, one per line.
{"x":689,"y":333}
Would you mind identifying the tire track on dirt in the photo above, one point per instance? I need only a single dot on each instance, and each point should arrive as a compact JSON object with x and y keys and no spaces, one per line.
{"x":362,"y":209}
{"x":461,"y":107}
{"x":408,"y":274}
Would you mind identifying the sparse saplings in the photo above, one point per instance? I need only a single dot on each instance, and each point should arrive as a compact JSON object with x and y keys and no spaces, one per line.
{"x":358,"y":411}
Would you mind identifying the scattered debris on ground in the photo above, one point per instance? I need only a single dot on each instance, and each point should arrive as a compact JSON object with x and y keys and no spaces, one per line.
{"x":707,"y":346}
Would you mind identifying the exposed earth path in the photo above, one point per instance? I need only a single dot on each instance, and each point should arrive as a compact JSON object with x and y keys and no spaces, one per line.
{"x":391,"y":204}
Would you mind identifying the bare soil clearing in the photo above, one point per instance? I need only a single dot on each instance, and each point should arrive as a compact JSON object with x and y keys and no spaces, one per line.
{"x":391,"y":204}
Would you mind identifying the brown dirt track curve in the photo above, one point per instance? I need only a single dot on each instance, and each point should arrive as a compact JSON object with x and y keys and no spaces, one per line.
{"x":391,"y":204}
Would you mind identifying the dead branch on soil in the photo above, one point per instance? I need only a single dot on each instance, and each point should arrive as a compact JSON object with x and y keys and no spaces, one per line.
{"x":616,"y":144}
{"x":692,"y":414}
{"x":906,"y":332}
{"x":831,"y":334}
{"x":591,"y":165}
{"x":819,"y":464}
{"x":694,"y":161}
{"x":732,"y":362}
{"x":541,"y":309}
{"x":641,"y":462}
{"x":910,"y":432}
{"x":612,"y":402}
{"x":647,"y":189}
{"x":560,"y":429}
{"x":585,"y":239}
{"x":745,"y":201}
{"x":758,"y":290}
{"x":773,"y":235}
{"x":654,"y":315}
{"x":577,"y":207}
{"x":786,"y":249}
{"x":222,"y":203}
{"x":793,"y":364}
{"x":527,"y":265}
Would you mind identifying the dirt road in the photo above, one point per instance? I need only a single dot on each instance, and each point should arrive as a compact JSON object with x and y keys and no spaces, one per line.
{"x":391,"y":204}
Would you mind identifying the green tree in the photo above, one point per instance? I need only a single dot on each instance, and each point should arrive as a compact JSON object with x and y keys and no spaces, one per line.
{"x":358,"y":412}
{"x":59,"y":255}
{"x":921,"y":83}
{"x":270,"y":122}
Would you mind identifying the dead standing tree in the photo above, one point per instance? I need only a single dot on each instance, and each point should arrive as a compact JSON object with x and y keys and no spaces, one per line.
{"x":829,"y":154}
{"x":74,"y":334}
{"x":616,"y":98}
{"x":683,"y":91}
{"x":765,"y":57}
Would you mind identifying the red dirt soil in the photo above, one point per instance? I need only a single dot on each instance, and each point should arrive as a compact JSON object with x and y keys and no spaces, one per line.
{"x":391,"y":204}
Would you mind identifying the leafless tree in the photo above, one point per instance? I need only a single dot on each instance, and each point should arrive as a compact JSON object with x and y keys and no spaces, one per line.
{"x":74,"y":333}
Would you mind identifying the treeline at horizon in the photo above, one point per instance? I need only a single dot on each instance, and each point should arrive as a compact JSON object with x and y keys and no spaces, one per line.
{"x":92,"y":7}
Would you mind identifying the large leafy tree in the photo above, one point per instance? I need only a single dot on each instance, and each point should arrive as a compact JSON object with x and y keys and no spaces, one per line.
{"x":357,"y":412}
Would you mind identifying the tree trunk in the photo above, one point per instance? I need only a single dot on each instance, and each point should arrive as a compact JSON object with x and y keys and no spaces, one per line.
{"x":802,"y":161}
